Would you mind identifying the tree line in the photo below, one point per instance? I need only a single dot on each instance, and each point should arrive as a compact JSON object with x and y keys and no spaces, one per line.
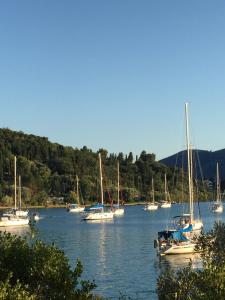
{"x":48,"y":172}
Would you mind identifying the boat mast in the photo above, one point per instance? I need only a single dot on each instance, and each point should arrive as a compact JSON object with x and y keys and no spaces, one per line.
{"x":165,"y":187}
{"x":101,"y":178}
{"x":218,"y":198}
{"x":15,"y":181}
{"x":189,"y":158}
{"x":78,"y":198}
{"x":153,"y":194}
{"x":20,"y":192}
{"x":118,"y":183}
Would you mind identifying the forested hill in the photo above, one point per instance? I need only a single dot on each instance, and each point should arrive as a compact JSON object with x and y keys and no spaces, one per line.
{"x":205,"y":159}
{"x":48,"y":171}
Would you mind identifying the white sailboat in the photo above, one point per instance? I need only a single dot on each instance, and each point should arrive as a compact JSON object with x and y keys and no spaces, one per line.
{"x":176,"y":241}
{"x":152,"y":205}
{"x":12,"y":218}
{"x":98,"y":212}
{"x":74,"y":208}
{"x":117,"y":209}
{"x":167,"y":202}
{"x":217,"y":206}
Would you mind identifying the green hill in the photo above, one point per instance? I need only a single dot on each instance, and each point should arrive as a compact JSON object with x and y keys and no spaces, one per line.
{"x":48,"y":172}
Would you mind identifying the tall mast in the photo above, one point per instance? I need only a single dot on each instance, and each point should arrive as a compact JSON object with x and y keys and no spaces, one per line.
{"x":217,"y":184}
{"x":118,"y":182}
{"x":101,"y":178}
{"x":153,"y":194}
{"x":165,"y":187}
{"x":78,"y":198}
{"x":15,"y":181}
{"x":189,"y":157}
{"x":20,"y":192}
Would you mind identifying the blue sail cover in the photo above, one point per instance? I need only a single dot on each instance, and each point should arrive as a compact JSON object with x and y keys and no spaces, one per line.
{"x":95,"y":207}
{"x":177,"y":235}
{"x":188,"y":229}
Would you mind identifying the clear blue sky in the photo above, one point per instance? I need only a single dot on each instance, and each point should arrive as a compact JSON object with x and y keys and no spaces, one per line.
{"x":114,"y":74}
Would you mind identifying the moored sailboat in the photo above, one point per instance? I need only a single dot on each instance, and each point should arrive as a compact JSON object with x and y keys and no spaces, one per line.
{"x":152,"y":205}
{"x":167,"y":202}
{"x":99,"y":211}
{"x":14,"y":217}
{"x":217,"y":206}
{"x":117,"y":209}
{"x":76,"y":207}
{"x":178,"y":240}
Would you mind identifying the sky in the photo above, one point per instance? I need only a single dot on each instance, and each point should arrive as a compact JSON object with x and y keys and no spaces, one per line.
{"x":114,"y":74}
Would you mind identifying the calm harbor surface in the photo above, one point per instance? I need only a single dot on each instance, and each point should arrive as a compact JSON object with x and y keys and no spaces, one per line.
{"x":119,"y":254}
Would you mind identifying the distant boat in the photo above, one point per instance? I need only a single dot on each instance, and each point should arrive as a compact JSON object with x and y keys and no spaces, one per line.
{"x":152,"y":205}
{"x":117,"y":209}
{"x":14,"y":217}
{"x":218,"y":206}
{"x":99,"y":211}
{"x":74,"y":208}
{"x":167,"y":202}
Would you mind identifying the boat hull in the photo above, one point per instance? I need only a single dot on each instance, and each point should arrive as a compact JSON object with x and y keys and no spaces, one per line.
{"x":76,"y":210}
{"x":98,"y":216}
{"x":151,"y":207}
{"x":183,"y":248}
{"x":5,"y":222}
{"x":118,"y":212}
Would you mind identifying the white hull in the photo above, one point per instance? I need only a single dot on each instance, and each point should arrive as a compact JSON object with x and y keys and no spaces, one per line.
{"x":7,"y":221}
{"x":151,"y":207}
{"x":166,"y":205}
{"x":98,"y":216}
{"x":197,"y":225}
{"x":18,"y":213}
{"x":217,"y":208}
{"x":182,"y":248}
{"x":77,"y":209}
{"x":118,"y":212}
{"x":22,"y":213}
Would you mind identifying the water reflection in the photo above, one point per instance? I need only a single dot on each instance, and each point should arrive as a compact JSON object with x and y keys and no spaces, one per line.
{"x":180,"y":261}
{"x":22,"y":231}
{"x":99,"y":221}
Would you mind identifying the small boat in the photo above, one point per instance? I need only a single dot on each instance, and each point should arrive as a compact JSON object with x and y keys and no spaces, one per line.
{"x":36,"y":216}
{"x":167,"y":202}
{"x":117,"y":209}
{"x":14,"y":217}
{"x":172,"y":242}
{"x":217,"y":206}
{"x":74,"y":208}
{"x":152,"y":205}
{"x":99,"y":211}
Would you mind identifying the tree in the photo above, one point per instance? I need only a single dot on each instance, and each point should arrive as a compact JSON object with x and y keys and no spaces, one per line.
{"x":39,"y":271}
{"x":206,"y":283}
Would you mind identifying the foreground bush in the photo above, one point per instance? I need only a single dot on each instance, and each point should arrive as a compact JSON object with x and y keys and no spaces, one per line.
{"x":38,"y":272}
{"x":206,"y":283}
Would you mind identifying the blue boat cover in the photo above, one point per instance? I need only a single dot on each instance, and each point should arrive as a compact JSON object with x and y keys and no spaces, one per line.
{"x":94,"y":207}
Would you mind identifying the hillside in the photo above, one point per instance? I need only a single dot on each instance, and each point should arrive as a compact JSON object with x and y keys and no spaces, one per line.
{"x":48,"y":171}
{"x":207,"y":159}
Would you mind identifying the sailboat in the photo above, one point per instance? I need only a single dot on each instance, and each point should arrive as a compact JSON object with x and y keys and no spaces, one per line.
{"x":167,"y":202}
{"x":175,"y":241}
{"x":217,"y":206}
{"x":13,"y":218}
{"x":117,"y":209}
{"x":76,"y":207}
{"x":98,"y":211}
{"x":152,"y":205}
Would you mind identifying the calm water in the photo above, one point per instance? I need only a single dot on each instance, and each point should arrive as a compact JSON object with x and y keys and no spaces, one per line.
{"x":119,"y":254}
